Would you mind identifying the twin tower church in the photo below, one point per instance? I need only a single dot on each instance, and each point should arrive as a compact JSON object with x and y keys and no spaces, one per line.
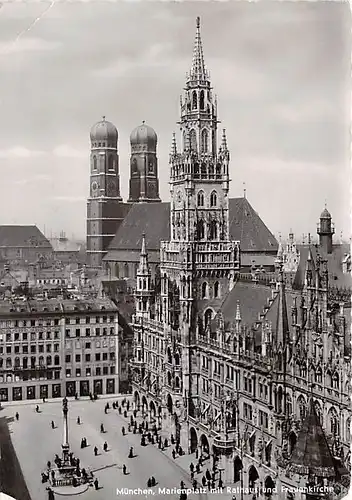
{"x":200,"y":209}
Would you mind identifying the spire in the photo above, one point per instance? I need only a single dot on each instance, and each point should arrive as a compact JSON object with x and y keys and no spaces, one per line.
{"x":238,"y":312}
{"x":282,"y":328}
{"x":143,"y":268}
{"x":312,"y":455}
{"x":198,"y":70}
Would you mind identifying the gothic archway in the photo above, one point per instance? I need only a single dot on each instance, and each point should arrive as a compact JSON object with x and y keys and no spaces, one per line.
{"x":269,"y":487}
{"x":144,"y":404}
{"x":237,"y":468}
{"x":193,"y":439}
{"x":169,"y":403}
{"x":137,"y":400}
{"x":253,"y":476}
{"x":152,"y":409}
{"x":292,"y":441}
{"x":204,"y":444}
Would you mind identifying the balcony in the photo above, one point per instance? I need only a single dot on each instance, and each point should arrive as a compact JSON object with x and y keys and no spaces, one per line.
{"x":226,"y":443}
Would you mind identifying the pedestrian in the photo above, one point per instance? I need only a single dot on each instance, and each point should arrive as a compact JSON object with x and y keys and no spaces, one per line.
{"x":53,"y":475}
{"x":37,"y":409}
{"x":17,"y":415}
{"x":78,"y":421}
{"x":114,"y":406}
{"x":52,"y":424}
{"x":191,"y":467}
{"x":96,"y":484}
{"x":95,"y":451}
{"x":192,"y":475}
{"x":102,"y":430}
{"x":166,"y":443}
{"x":197,"y":453}
{"x":76,"y":396}
{"x":130,"y":455}
{"x":221,"y":484}
{"x":123,"y":431}
{"x":43,"y":400}
{"x":204,"y":481}
{"x":197,"y":469}
{"x":195,"y":484}
{"x":173,"y":454}
{"x":82,"y":443}
{"x":153,"y":481}
{"x":149,"y":483}
{"x":105,"y":446}
{"x":124,"y":469}
{"x":120,"y":411}
{"x":48,"y":464}
{"x":182,"y":485}
{"x":207,"y":475}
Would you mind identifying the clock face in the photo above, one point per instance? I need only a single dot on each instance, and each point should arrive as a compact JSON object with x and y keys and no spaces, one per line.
{"x":94,"y":188}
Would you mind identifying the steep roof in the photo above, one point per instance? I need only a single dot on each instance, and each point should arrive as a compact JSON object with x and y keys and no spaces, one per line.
{"x":153,"y":219}
{"x":336,"y":277}
{"x":22,"y":236}
{"x":312,"y":454}
{"x":251,"y":297}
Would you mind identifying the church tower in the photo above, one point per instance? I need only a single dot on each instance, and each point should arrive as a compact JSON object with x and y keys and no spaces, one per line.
{"x":199,"y":265}
{"x":104,"y":207}
{"x":325,"y":231}
{"x":144,"y":182}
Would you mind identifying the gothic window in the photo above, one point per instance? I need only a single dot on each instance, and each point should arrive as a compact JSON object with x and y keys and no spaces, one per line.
{"x":333,"y":422}
{"x":48,"y":360}
{"x":335,"y":381}
{"x":169,"y":379}
{"x":204,"y":290}
{"x":213,"y":230}
{"x":216,"y":290}
{"x":318,"y":411}
{"x":169,"y":357}
{"x":318,"y":375}
{"x":194,"y":100}
{"x":201,"y":100}
{"x":111,"y":163}
{"x":177,"y":359}
{"x":301,"y":404}
{"x":200,"y":230}
{"x":288,"y":405}
{"x":208,"y":315}
{"x":177,"y":382}
{"x":185,"y":145}
{"x":205,"y":138}
{"x":213,"y":199}
{"x":193,"y":138}
{"x":200,"y":199}
{"x":95,"y":163}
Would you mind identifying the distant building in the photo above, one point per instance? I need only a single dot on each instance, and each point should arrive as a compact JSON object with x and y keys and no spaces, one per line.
{"x":22,"y":245}
{"x":65,"y":250}
{"x":52,"y":348}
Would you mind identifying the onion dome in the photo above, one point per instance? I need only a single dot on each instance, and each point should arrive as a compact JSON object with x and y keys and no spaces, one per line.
{"x":104,"y":131}
{"x":143,"y":135}
{"x":325,"y":214}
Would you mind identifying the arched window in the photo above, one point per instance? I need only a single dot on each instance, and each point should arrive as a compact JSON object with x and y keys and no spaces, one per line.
{"x":177,"y":382}
{"x":205,"y":139}
{"x":184,"y":139}
{"x":216,"y":290}
{"x":8,"y":363}
{"x":333,"y":422}
{"x":288,"y":405}
{"x":213,"y":199}
{"x":200,"y":230}
{"x":200,"y":199}
{"x":126,"y":270}
{"x":302,"y":409}
{"x":194,"y":100}
{"x":208,"y":315}
{"x":48,"y":360}
{"x":57,"y":360}
{"x":17,"y":362}
{"x":335,"y":381}
{"x":95,"y":163}
{"x":318,"y":411}
{"x":204,"y":290}
{"x":201,"y":100}
{"x":169,"y":357}
{"x":111,"y":162}
{"x":213,"y":230}
{"x":193,"y":139}
{"x":41,"y":360}
{"x":177,"y":359}
{"x":318,"y":375}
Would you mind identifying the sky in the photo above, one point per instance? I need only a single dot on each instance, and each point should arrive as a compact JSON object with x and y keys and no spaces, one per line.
{"x":281,"y":71}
